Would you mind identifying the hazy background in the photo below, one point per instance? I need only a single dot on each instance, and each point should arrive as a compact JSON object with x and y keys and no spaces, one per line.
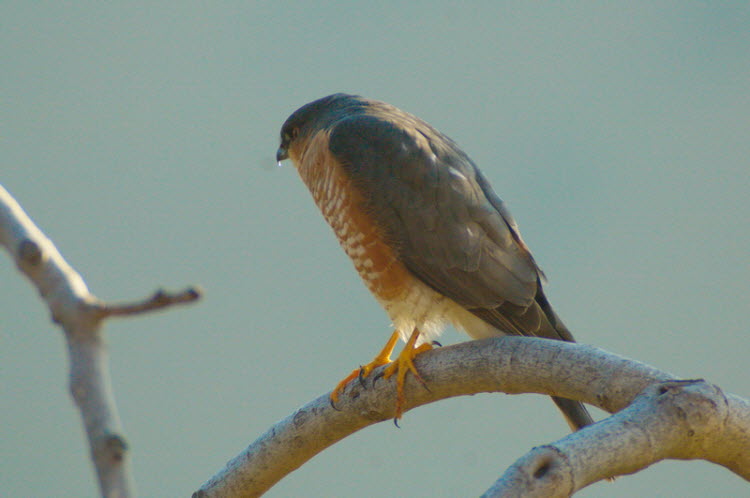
{"x":140,"y":137}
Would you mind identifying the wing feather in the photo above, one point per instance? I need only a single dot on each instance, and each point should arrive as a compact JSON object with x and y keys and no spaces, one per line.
{"x":448,"y":226}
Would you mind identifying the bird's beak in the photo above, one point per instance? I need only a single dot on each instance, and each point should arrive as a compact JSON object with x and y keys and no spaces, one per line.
{"x":282,"y":154}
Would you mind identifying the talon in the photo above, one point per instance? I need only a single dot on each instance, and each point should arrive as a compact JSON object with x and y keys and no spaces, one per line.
{"x":404,"y":364}
{"x":340,"y":387}
{"x":382,"y":358}
{"x":333,"y":405}
{"x":395,"y":422}
{"x":436,"y":343}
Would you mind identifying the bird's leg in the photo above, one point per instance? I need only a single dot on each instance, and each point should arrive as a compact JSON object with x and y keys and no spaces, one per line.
{"x":403,"y":364}
{"x":382,"y":358}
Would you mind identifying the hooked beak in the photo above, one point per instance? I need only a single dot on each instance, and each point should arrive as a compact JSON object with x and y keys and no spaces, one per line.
{"x":282,"y":154}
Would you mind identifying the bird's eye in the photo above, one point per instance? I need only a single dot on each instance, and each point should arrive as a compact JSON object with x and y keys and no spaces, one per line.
{"x":295,"y":133}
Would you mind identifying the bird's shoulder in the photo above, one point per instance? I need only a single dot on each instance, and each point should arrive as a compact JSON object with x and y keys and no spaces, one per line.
{"x":435,"y":206}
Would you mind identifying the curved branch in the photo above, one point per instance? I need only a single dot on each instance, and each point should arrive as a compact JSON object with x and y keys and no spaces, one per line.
{"x":679,"y":419}
{"x":508,"y":364}
{"x":81,"y":315}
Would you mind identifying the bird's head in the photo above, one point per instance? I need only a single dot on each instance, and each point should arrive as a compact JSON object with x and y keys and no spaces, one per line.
{"x":315,"y":116}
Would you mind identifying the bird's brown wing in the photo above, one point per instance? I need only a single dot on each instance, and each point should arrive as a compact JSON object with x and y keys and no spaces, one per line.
{"x":449,"y":227}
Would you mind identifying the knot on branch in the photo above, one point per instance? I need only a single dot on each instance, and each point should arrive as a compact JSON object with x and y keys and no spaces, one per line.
{"x":29,"y":253}
{"x":699,"y":407}
{"x":111,"y":448}
{"x":544,"y":471}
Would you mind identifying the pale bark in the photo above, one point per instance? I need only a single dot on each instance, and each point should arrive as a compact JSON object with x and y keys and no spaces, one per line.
{"x":81,"y":315}
{"x":680,"y":419}
{"x":671,"y":419}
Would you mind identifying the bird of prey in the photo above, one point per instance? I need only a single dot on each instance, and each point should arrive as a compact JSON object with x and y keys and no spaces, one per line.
{"x":425,"y":230}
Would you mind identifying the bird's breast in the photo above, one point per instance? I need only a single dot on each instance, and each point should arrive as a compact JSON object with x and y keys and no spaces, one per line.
{"x":343,"y":207}
{"x":409,"y":302}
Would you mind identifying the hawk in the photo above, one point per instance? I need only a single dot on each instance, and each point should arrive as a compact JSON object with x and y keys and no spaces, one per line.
{"x":425,"y":230}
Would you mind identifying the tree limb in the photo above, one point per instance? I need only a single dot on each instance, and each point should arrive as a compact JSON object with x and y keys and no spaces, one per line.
{"x":157,"y":301}
{"x":515,"y":365}
{"x":81,"y":316}
{"x":679,"y":419}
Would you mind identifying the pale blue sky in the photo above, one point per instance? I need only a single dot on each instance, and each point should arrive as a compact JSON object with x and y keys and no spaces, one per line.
{"x":141,"y":136}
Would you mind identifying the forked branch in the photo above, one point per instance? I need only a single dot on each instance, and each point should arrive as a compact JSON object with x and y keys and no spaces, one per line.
{"x":81,"y":315}
{"x":671,"y":419}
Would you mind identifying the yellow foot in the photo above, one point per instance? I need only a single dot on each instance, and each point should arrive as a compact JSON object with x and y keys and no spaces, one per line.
{"x":403,"y":364}
{"x":383,"y":358}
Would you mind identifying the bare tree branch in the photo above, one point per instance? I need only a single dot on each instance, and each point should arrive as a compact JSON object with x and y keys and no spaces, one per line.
{"x":159,"y":300}
{"x":81,"y":316}
{"x":657,"y":416}
{"x":511,"y":365}
{"x":674,"y":419}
